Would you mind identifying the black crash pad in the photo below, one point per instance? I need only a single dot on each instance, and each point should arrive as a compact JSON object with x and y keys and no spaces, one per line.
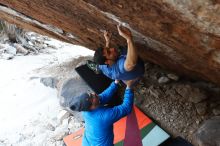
{"x":97,"y":82}
{"x":178,"y":141}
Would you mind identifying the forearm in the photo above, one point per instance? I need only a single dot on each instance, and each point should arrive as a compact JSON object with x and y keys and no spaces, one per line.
{"x":107,"y":37}
{"x":125,"y":108}
{"x":107,"y":43}
{"x":128,"y":101}
{"x":132,"y":56}
{"x":107,"y":94}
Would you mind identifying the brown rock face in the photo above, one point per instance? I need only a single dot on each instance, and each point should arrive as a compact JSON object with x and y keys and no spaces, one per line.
{"x":183,"y":36}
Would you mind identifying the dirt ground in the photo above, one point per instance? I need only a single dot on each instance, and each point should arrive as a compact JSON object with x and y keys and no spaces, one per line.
{"x":179,"y":105}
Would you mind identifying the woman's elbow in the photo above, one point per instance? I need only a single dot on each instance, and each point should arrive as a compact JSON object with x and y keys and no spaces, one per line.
{"x":129,"y":67}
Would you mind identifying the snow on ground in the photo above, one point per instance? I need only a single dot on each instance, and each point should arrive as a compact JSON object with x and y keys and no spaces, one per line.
{"x":27,"y":105}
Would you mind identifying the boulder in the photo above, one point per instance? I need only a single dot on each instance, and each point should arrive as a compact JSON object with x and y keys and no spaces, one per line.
{"x":70,"y":88}
{"x":183,"y":36}
{"x":208,"y":133}
{"x":49,"y":82}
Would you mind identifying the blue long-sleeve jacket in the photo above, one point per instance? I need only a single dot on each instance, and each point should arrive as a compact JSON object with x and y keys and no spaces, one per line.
{"x":99,"y":122}
{"x":117,"y":70}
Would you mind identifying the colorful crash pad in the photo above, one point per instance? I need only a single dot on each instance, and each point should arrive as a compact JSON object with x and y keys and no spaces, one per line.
{"x":151,"y":134}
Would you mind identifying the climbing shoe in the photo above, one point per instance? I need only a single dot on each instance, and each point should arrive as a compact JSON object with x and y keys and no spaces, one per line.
{"x":93,"y":66}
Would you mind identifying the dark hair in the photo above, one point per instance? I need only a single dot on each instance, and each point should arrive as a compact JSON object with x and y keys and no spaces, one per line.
{"x":98,"y":57}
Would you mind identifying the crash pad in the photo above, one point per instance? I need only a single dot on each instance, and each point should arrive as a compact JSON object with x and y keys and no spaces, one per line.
{"x":97,"y":82}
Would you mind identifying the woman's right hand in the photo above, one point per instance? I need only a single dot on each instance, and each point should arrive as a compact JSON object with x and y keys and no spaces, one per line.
{"x":124,"y":32}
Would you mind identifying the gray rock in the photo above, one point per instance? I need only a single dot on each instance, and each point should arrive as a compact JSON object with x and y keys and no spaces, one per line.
{"x":173,"y":77}
{"x":30,"y":43}
{"x":63,"y":114}
{"x":194,"y":95}
{"x":10,"y":50}
{"x":154,"y":92}
{"x":7,"y":56}
{"x":71,"y":88}
{"x":59,"y":135}
{"x":209,"y":133}
{"x":33,"y":78}
{"x":216,"y":111}
{"x":21,"y":49}
{"x":49,"y":82}
{"x":78,"y":116}
{"x":61,"y":131}
{"x":183,"y":90}
{"x":201,"y":108}
{"x":50,"y":127}
{"x":74,"y":125}
{"x":163,"y":80}
{"x":60,"y":143}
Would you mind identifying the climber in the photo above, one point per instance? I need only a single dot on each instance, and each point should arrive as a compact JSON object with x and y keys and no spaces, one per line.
{"x":121,"y":63}
{"x":99,"y":119}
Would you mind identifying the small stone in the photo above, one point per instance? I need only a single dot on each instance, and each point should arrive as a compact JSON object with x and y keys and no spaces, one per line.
{"x":45,"y":45}
{"x":173,"y":77}
{"x":30,"y":43}
{"x":65,"y":122}
{"x":196,"y":96}
{"x":63,"y":114}
{"x":60,"y":143}
{"x":59,"y":135}
{"x":21,"y":49}
{"x":7,"y":56}
{"x":120,"y":5}
{"x":78,"y":125}
{"x":201,"y":108}
{"x":191,"y":131}
{"x":50,"y":127}
{"x":74,"y":124}
{"x":10,"y":50}
{"x":49,"y":82}
{"x":147,"y":106}
{"x":163,"y":111}
{"x":163,"y":80}
{"x":60,"y":132}
{"x":216,"y":111}
{"x":33,"y":38}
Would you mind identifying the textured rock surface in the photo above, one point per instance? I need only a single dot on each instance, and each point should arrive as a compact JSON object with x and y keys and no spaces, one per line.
{"x":183,"y":36}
